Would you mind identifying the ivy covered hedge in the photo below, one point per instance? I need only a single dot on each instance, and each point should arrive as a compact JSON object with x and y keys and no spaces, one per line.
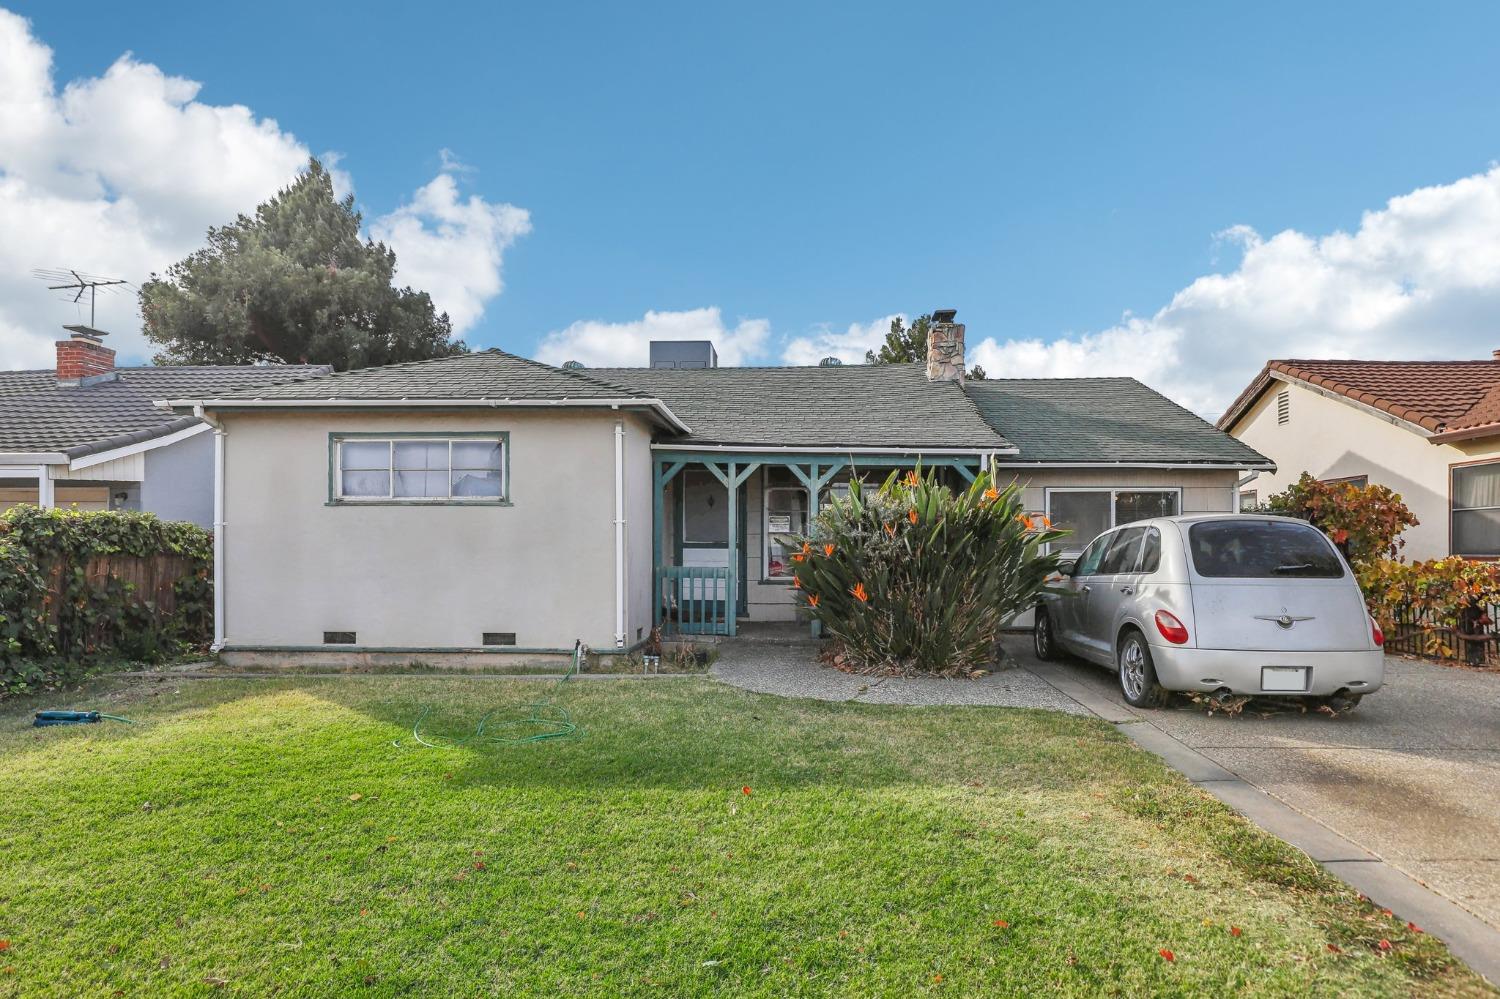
{"x":1439,"y":608}
{"x":79,"y":588}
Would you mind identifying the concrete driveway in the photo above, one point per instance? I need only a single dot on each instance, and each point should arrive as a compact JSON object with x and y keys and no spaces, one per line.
{"x":1412,"y":776}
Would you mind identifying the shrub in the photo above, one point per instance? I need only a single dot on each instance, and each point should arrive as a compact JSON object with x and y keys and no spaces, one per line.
{"x":1364,"y":521}
{"x":66,"y":601}
{"x":915,"y":577}
{"x":1424,"y":607}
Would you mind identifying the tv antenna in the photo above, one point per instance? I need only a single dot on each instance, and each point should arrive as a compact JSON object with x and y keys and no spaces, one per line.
{"x":70,"y":280}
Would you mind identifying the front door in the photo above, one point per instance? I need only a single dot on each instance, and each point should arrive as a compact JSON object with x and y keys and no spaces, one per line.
{"x":701,"y":537}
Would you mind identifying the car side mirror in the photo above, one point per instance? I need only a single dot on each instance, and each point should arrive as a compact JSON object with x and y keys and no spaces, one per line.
{"x":1066,"y":566}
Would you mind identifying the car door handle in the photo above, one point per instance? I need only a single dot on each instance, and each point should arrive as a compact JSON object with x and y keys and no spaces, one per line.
{"x":1085,"y":589}
{"x":1126,"y":590}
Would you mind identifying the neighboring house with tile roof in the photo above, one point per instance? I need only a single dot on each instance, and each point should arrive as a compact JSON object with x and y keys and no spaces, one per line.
{"x":87,"y":434}
{"x":486,"y":503}
{"x":1430,"y":430}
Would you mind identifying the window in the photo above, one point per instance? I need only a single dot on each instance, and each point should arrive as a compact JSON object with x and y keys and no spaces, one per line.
{"x":1265,"y":549}
{"x":467,"y":469}
{"x":1354,"y":480}
{"x":1249,"y":500}
{"x":1089,"y":512}
{"x":1474,"y":499}
{"x":1150,"y":551}
{"x":786,"y":510}
{"x":1088,"y":562}
{"x":1283,"y":407}
{"x":1124,"y":552}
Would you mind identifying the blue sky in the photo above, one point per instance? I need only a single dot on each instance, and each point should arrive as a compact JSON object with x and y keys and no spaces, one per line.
{"x":1045,"y":171}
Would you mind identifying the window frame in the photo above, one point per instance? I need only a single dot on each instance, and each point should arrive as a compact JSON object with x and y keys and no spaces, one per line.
{"x":765,"y":528}
{"x":1453,"y":469}
{"x":335,"y":479}
{"x":1114,"y":491}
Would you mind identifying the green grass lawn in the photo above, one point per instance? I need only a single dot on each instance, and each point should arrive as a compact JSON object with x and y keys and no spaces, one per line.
{"x":264,"y":837}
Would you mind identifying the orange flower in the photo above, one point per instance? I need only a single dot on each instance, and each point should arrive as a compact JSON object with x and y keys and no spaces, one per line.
{"x":812,"y":600}
{"x":807,"y":547}
{"x":860,"y":594}
{"x":798,"y":557}
{"x":992,"y":493}
{"x":828,"y":548}
{"x":913,"y":479}
{"x":890,"y":529}
{"x":1024,"y":520}
{"x":796,"y":583}
{"x":1046,"y":521}
{"x":911,"y":515}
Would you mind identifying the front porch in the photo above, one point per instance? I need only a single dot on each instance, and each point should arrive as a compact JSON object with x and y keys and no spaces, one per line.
{"x":725,"y":524}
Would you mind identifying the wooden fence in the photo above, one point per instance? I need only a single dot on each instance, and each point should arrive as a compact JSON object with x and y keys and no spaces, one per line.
{"x":149,"y":582}
{"x":1419,"y":631}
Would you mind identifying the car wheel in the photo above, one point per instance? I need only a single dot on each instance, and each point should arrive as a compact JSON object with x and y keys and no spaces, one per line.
{"x":1043,"y":639}
{"x":1138,"y":673}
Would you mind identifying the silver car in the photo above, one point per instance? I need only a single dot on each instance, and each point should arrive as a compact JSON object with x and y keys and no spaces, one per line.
{"x":1221,"y":603}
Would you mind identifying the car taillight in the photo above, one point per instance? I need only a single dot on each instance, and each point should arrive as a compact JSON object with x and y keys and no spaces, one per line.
{"x":1376,"y":633}
{"x":1171,"y":629}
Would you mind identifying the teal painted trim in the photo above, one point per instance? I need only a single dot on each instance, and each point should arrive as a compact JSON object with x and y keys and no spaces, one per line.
{"x":719,"y":474}
{"x":793,"y":459}
{"x":732,"y":611}
{"x":966,"y":472}
{"x":333,"y":457}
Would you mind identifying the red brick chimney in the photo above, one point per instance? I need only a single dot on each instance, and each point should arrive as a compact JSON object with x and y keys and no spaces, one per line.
{"x":83,"y":356}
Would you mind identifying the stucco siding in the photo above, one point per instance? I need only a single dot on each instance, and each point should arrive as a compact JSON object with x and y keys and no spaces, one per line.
{"x":178,"y":481}
{"x":414,"y":576}
{"x":1331,"y":439}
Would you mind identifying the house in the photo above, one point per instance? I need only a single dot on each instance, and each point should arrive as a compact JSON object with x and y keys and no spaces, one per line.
{"x":87,"y":434}
{"x":1429,"y":430}
{"x":490,"y":503}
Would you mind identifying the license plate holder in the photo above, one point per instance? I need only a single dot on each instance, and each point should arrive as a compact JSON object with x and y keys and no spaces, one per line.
{"x":1285,"y":679}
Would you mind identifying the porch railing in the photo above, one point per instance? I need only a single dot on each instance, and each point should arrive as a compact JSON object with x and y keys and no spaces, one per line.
{"x":697,"y":599}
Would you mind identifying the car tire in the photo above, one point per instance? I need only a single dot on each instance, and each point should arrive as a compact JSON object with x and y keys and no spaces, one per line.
{"x":1138,"y":673}
{"x":1044,"y":637}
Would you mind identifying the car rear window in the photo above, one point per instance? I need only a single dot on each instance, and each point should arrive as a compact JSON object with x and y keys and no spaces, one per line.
{"x":1262,"y":549}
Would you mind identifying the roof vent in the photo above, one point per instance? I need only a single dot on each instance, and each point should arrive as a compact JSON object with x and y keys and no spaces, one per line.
{"x":684,"y":354}
{"x":830,"y":362}
{"x":572,"y":365}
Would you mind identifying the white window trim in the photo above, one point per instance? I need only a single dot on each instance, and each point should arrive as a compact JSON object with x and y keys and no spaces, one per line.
{"x":336,"y":471}
{"x":1114,"y":492}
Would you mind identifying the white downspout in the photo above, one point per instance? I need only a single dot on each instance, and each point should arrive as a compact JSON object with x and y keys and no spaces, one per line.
{"x":46,"y":497}
{"x":619,"y":534}
{"x":219,"y":435}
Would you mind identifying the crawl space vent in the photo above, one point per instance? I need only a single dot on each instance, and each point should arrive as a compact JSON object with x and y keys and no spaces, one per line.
{"x":499,"y":638}
{"x":338,"y":638}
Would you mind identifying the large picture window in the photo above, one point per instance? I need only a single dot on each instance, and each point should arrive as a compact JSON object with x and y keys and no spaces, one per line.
{"x":1474,"y":499}
{"x":372,"y":469}
{"x":1088,"y":512}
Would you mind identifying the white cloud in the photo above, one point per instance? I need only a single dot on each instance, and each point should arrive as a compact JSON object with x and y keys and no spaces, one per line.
{"x":602,"y":344}
{"x":1419,"y":279}
{"x":848,"y":346}
{"x":122,"y":174}
{"x":450,"y":246}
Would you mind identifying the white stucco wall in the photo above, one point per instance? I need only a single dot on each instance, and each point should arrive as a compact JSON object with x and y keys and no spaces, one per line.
{"x":179,"y":480}
{"x":429,"y":577}
{"x":1333,"y":439}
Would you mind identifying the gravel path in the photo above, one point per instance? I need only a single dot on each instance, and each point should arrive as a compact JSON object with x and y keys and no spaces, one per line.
{"x":791,"y":669}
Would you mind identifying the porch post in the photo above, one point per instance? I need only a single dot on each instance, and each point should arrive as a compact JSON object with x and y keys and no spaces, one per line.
{"x":731,"y":611}
{"x":813,"y":490}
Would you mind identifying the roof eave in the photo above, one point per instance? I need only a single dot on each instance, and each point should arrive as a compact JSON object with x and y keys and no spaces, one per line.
{"x":1263,"y":465}
{"x":662,"y":410}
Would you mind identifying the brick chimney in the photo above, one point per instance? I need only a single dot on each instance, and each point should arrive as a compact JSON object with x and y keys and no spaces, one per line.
{"x":83,"y":358}
{"x":945,"y":347}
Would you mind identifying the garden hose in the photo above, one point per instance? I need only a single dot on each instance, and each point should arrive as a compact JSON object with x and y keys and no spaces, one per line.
{"x":538,"y":721}
{"x":47,"y":719}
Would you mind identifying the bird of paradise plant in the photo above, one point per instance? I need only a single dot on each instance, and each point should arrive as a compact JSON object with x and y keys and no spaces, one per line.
{"x":915,"y":576}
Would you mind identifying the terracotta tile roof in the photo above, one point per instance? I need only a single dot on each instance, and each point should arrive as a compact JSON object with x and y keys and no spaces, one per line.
{"x":1444,"y":397}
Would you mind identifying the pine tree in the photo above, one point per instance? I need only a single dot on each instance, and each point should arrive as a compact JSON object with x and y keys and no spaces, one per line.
{"x":294,"y":283}
{"x":908,"y":345}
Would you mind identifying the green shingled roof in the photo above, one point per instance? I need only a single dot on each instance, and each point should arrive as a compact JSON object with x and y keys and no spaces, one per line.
{"x":890,"y":406}
{"x":1103,"y":420}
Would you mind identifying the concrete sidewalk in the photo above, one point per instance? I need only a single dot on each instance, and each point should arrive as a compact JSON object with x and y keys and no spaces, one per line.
{"x":1401,"y":798}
